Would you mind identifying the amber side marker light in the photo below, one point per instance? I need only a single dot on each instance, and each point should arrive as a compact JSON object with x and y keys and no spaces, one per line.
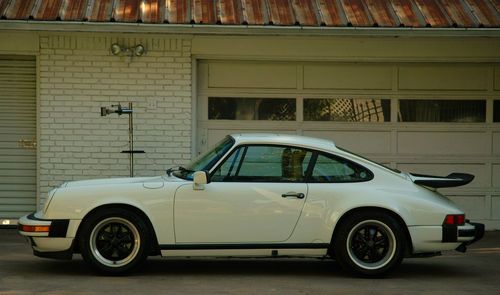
{"x":454,"y":219}
{"x":35,"y":228}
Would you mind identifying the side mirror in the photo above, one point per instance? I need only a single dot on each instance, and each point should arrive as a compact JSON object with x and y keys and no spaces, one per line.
{"x":200,"y":178}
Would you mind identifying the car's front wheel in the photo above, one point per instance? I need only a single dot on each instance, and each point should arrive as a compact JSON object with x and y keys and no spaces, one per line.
{"x":369,"y":244}
{"x":114,"y":241}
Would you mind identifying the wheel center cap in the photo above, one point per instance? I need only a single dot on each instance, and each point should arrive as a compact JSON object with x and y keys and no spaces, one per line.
{"x":370,"y":243}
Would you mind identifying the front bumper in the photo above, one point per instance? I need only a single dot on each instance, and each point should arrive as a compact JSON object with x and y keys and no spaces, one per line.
{"x":48,"y":238}
{"x":30,"y":225}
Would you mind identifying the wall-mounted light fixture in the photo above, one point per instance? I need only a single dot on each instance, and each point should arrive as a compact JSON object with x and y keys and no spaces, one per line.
{"x":137,"y":50}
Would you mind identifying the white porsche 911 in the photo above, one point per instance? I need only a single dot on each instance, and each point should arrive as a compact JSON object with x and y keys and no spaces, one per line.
{"x":256,"y":195}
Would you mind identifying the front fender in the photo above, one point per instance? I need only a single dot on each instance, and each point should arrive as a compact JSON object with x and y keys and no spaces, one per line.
{"x":75,"y":203}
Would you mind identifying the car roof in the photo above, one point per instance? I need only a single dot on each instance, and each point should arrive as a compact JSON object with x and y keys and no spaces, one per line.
{"x":285,"y":139}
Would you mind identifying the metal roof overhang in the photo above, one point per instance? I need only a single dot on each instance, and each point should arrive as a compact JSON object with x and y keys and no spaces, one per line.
{"x":194,"y":29}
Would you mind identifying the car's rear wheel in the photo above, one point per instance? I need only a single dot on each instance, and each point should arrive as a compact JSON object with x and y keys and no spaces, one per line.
{"x":114,"y":241}
{"x":369,"y":244}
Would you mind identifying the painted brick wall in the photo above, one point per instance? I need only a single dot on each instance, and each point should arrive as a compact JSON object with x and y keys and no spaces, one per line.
{"x":78,"y":75}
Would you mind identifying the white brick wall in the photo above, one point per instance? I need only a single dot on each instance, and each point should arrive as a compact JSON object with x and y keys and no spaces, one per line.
{"x":78,"y":75}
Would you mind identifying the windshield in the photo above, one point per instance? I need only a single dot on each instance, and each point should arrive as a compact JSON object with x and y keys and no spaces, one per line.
{"x":381,"y":165}
{"x":207,"y":160}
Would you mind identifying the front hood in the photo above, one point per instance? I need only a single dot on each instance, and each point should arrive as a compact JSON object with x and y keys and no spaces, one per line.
{"x":122,"y":181}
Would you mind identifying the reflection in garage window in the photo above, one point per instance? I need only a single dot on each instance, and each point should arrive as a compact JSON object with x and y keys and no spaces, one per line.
{"x":232,"y":108}
{"x":347,"y":110}
{"x":429,"y":110}
{"x":496,"y":111}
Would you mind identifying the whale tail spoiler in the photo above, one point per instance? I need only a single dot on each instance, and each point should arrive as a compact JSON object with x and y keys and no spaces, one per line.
{"x":452,"y":180}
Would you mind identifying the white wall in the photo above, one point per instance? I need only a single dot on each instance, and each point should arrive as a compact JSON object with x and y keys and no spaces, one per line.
{"x":78,"y":75}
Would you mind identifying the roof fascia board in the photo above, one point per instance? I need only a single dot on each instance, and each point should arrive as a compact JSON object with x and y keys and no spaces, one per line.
{"x":194,"y":29}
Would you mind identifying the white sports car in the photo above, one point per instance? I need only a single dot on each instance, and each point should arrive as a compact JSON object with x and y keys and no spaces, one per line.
{"x":256,"y":195}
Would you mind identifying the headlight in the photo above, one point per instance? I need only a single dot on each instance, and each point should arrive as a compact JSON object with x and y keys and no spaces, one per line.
{"x":49,"y":198}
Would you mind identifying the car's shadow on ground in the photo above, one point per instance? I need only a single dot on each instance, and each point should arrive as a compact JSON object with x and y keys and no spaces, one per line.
{"x":244,"y":267}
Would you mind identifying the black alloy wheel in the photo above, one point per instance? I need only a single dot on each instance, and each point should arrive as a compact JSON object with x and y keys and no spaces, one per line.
{"x":369,"y":243}
{"x":114,"y":241}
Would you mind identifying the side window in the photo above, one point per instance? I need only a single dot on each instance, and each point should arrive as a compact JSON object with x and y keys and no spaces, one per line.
{"x":333,"y":169}
{"x":230,"y":166}
{"x":263,"y":163}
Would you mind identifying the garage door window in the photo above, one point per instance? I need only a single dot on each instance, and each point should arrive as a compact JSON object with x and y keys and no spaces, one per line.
{"x":347,"y":110}
{"x":429,"y":110}
{"x":233,"y":108}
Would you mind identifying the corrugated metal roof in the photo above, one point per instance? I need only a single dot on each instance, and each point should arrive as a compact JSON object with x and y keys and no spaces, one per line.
{"x":357,"y":13}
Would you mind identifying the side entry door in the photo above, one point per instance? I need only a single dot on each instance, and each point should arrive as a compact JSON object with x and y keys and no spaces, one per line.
{"x":255,"y":196}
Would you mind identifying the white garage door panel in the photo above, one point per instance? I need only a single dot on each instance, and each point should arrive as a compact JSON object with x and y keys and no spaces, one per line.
{"x":496,"y":175}
{"x":17,"y":188}
{"x":443,"y":143}
{"x":496,"y":143}
{"x":495,"y":206}
{"x":17,"y":122}
{"x":15,"y":195}
{"x":347,"y":77}
{"x":357,"y":141}
{"x":473,"y":206}
{"x":480,"y":172}
{"x":17,"y":171}
{"x":433,"y":77}
{"x":16,"y":180}
{"x":497,"y":78}
{"x":17,"y":201}
{"x":255,"y":75}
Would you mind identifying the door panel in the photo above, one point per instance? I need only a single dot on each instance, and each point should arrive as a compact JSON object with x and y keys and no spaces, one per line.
{"x":235,"y":212}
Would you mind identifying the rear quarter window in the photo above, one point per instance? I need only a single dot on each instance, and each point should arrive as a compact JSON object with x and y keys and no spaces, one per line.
{"x":330,"y":169}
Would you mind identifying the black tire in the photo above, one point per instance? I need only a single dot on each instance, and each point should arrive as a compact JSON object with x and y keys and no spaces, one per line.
{"x":369,"y":244}
{"x":114,"y":241}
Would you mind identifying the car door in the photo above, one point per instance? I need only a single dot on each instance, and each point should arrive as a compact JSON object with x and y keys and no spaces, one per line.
{"x":255,"y":196}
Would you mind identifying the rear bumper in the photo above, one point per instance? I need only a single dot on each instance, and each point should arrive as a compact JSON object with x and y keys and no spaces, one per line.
{"x":476,"y":233}
{"x":468,"y":233}
{"x":437,"y":238}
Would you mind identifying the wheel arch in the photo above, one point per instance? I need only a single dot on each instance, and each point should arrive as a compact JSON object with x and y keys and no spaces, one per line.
{"x":155,"y":248}
{"x":409,"y":245}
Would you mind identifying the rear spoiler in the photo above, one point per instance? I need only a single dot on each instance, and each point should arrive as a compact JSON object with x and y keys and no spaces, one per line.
{"x":452,"y":180}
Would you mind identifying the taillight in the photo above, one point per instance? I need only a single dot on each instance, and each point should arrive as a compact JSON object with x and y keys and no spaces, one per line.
{"x":454,"y":219}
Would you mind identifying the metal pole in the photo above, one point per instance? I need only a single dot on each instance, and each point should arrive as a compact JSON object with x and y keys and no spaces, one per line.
{"x":131,"y":139}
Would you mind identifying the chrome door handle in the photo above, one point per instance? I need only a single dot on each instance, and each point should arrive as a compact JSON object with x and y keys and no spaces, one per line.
{"x":293,"y":195}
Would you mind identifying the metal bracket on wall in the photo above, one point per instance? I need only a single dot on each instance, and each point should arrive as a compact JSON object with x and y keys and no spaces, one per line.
{"x":120,"y":110}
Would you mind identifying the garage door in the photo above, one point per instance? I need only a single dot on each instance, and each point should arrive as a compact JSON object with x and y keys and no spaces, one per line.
{"x":17,"y":136}
{"x":432,"y":118}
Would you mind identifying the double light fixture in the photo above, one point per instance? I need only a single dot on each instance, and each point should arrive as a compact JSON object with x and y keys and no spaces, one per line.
{"x":137,"y":50}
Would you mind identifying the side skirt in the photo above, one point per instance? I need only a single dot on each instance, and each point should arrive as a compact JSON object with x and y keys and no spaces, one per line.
{"x":244,"y":250}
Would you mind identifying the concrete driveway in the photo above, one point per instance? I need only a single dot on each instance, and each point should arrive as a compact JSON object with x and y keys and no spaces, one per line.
{"x":476,"y":272}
